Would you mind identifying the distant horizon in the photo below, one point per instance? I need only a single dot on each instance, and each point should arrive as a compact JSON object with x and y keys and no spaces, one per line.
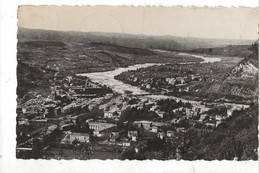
{"x":219,"y":22}
{"x":145,"y":35}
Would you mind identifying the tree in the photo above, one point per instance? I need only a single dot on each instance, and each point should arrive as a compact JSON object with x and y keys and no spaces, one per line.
{"x":129,"y":153}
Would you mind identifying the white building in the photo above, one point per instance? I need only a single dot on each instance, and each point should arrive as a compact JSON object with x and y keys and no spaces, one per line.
{"x":81,"y":137}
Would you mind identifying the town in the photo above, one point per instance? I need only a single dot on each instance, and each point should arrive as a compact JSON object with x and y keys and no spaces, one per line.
{"x":86,"y":120}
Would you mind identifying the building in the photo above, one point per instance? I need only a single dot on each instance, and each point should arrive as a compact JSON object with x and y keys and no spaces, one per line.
{"x":49,"y":110}
{"x":161,"y":135}
{"x":57,"y":111}
{"x":181,"y":129}
{"x":134,"y":138}
{"x":133,"y":135}
{"x":140,"y":147}
{"x":37,"y":123}
{"x":71,"y":108}
{"x":202,"y":117}
{"x":108,"y":114}
{"x":180,"y":80}
{"x":126,"y":144}
{"x":112,"y":114}
{"x":229,"y":112}
{"x":65,"y":127}
{"x":98,"y":127}
{"x":210,"y":124}
{"x":160,"y":113}
{"x":154,"y":107}
{"x":170,"y":133}
{"x":81,"y":137}
{"x":189,"y":113}
{"x":114,"y":137}
{"x":154,"y":129}
{"x":172,"y":81}
{"x":143,"y":124}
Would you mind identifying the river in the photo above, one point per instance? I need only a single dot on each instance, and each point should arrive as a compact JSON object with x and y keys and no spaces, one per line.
{"x":107,"y":78}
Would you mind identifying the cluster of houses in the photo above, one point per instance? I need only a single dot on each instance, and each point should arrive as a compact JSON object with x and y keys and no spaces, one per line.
{"x":173,"y":78}
{"x":67,"y":91}
{"x":113,"y":109}
{"x":42,"y":135}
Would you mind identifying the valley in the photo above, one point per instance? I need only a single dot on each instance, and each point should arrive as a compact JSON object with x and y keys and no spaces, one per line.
{"x":119,"y":96}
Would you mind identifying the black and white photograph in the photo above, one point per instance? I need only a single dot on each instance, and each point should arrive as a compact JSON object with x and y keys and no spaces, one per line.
{"x":137,"y":83}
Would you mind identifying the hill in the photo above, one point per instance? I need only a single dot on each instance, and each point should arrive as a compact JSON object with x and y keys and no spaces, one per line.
{"x":128,"y":40}
{"x":241,"y":80}
{"x":230,"y":50}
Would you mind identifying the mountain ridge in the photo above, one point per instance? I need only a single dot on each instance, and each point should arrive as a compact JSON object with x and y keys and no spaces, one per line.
{"x":130,"y":40}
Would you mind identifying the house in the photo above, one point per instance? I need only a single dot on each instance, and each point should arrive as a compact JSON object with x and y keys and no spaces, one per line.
{"x":66,"y":127}
{"x":49,"y":110}
{"x":161,"y":135}
{"x":180,"y":80}
{"x":140,"y":147}
{"x":175,"y":110}
{"x":126,"y":144}
{"x":188,"y":113}
{"x":181,"y":108}
{"x":219,"y":118}
{"x":202,"y":117}
{"x":154,"y":129}
{"x":170,"y":133}
{"x":218,"y":123}
{"x":154,"y":107}
{"x":98,"y":127}
{"x":51,"y":130}
{"x":174,"y":120}
{"x":160,"y":113}
{"x":134,"y":138}
{"x":172,"y":81}
{"x":181,"y":129}
{"x":81,"y":137}
{"x":148,"y":86}
{"x":66,"y":109}
{"x":187,"y":89}
{"x":36,"y":123}
{"x":108,"y":114}
{"x":210,"y":124}
{"x":160,"y":123}
{"x":57,"y":111}
{"x":196,"y":77}
{"x":197,"y":109}
{"x":133,"y":135}
{"x":144,"y":124}
{"x":116,"y":132}
{"x":114,"y":137}
{"x":69,"y":78}
{"x":112,"y":113}
{"x":22,"y":121}
{"x":229,"y":112}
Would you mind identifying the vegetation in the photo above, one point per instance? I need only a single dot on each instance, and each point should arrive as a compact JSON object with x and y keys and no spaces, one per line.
{"x":236,"y":137}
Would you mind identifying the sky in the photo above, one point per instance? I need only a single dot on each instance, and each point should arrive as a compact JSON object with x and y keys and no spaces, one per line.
{"x":230,"y":23}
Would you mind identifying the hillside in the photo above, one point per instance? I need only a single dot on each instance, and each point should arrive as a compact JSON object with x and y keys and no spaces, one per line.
{"x":38,"y":59}
{"x":236,"y":137}
{"x":241,"y":80}
{"x":230,"y":50}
